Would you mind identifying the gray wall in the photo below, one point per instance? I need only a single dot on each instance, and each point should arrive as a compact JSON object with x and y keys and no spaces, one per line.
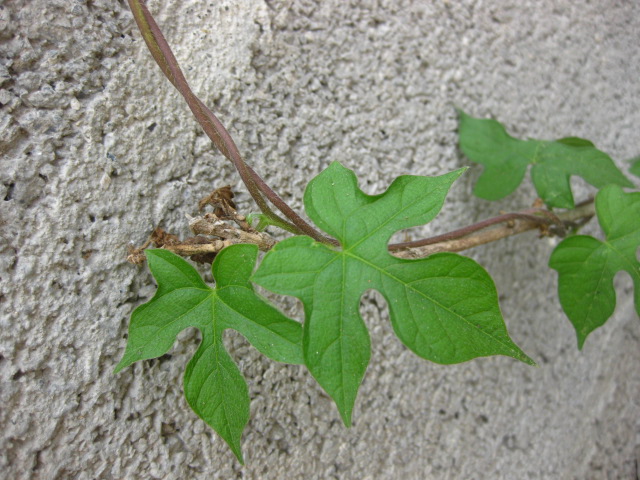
{"x":97,"y":149}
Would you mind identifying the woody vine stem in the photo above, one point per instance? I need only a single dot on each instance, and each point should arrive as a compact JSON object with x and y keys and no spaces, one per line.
{"x":228,"y":227}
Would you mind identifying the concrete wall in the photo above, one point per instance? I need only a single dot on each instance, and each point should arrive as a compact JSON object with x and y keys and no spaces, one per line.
{"x":97,"y":149}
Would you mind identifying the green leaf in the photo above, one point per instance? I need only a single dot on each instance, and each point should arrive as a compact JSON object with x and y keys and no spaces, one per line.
{"x":213,"y":384}
{"x":506,"y":159}
{"x":444,"y":307}
{"x":586,"y":266}
{"x":265,"y":221}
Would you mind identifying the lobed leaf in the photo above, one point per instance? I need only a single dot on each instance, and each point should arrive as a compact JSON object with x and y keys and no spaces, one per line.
{"x":213,"y":384}
{"x":506,"y":160}
{"x":444,"y":307}
{"x":586,"y":266}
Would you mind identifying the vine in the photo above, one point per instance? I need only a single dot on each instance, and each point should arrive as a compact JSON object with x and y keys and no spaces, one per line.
{"x":443,"y":306}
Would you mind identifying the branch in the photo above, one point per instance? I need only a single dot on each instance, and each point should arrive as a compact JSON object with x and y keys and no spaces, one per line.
{"x":210,"y":224}
{"x":468,"y":237}
{"x":480,"y":233}
{"x":497,"y":228}
{"x":164,"y":57}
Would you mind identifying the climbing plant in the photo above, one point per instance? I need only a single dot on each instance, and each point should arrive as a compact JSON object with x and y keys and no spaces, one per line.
{"x":443,"y":306}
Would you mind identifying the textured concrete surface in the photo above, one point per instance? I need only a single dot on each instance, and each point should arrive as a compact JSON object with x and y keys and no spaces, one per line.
{"x":96,"y":149}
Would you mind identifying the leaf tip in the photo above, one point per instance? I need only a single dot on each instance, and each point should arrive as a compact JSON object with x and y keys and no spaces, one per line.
{"x":461,"y":171}
{"x":122,"y":364}
{"x":346,"y":418}
{"x":238,"y":453}
{"x":581,"y":340}
{"x":518,"y":354}
{"x":528,"y":360}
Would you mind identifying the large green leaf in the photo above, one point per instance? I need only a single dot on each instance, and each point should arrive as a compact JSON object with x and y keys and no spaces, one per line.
{"x":213,"y":384}
{"x":443,"y":307}
{"x":506,"y":160}
{"x":586,"y":266}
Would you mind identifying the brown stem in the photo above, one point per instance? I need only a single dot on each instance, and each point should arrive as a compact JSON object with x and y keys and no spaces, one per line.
{"x":495,"y":229}
{"x":189,"y":250}
{"x":463,"y":232}
{"x":480,"y":233}
{"x":212,"y":225}
{"x":167,"y":62}
{"x":467,"y":237}
{"x":214,"y":129}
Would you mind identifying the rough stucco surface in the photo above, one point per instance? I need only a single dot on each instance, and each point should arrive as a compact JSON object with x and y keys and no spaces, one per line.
{"x":97,"y":149}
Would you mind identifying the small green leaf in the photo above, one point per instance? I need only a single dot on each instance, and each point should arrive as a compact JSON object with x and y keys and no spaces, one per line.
{"x":586,"y":266}
{"x":213,"y":384}
{"x":506,"y":159}
{"x":444,"y":307}
{"x":265,"y":221}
